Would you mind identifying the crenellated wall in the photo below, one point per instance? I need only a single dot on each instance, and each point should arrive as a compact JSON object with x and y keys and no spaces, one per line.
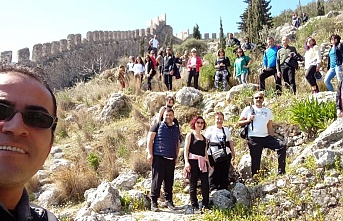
{"x":68,"y":60}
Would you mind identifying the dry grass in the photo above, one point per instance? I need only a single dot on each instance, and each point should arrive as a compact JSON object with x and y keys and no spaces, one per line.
{"x":74,"y":181}
{"x":140,"y":164}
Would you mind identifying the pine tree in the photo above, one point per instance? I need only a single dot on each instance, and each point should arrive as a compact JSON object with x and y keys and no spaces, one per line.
{"x":196,"y":32}
{"x":221,"y":43}
{"x":320,"y":8}
{"x":255,"y":18}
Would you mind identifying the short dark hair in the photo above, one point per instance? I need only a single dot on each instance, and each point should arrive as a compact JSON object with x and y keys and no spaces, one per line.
{"x":194,"y":120}
{"x":168,"y":109}
{"x":37,"y":74}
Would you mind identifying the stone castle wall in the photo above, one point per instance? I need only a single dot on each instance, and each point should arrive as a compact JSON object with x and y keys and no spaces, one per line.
{"x":68,"y":60}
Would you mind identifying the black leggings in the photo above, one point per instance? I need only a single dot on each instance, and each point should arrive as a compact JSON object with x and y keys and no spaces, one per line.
{"x":193,"y":181}
{"x":310,"y":76}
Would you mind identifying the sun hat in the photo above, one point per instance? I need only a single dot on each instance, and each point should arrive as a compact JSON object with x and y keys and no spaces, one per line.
{"x":194,"y":50}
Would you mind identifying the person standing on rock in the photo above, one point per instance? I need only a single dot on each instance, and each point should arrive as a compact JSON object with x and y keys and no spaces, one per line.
{"x":335,"y":61}
{"x":27,"y":124}
{"x":196,"y":162}
{"x":261,"y":133}
{"x":269,"y":65}
{"x":220,"y":141}
{"x":194,"y":64}
{"x":285,"y":66}
{"x":313,"y":59}
{"x":163,"y":146}
{"x":154,"y":45}
{"x":169,"y":66}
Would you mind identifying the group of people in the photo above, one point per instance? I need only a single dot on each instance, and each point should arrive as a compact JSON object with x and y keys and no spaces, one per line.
{"x":166,"y":64}
{"x":207,"y":152}
{"x":296,"y":21}
{"x":281,"y":61}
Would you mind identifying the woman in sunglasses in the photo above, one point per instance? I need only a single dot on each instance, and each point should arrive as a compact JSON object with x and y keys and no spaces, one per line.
{"x":196,"y":162}
{"x":241,"y":66}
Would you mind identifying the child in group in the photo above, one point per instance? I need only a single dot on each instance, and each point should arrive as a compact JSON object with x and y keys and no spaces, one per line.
{"x":241,"y":66}
{"x":139,"y":69}
{"x":120,"y":77}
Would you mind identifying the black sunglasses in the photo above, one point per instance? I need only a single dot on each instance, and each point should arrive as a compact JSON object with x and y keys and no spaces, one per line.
{"x":31,"y":118}
{"x":260,"y":98}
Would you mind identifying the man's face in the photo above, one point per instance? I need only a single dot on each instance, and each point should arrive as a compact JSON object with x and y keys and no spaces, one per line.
{"x":168,"y":51}
{"x":270,"y":42}
{"x":28,"y":146}
{"x":258,"y":99}
{"x":168,"y":116}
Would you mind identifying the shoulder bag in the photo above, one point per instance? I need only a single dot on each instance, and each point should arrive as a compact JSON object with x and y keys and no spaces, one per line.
{"x":244,"y":129}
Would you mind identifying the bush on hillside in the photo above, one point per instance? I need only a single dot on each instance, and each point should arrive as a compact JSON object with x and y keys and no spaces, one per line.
{"x":190,"y":43}
{"x":312,"y":115}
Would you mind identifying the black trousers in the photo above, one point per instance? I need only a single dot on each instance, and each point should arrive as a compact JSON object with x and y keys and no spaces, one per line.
{"x":150,"y":78}
{"x":256,"y":145}
{"x":168,"y":80}
{"x":192,"y":74}
{"x":193,"y":181}
{"x":288,"y":75}
{"x":162,"y":171}
{"x":309,"y":75}
{"x":219,"y":179}
{"x":266,"y":74}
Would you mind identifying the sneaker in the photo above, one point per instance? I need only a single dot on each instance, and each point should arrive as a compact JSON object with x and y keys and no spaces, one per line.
{"x":170,"y":206}
{"x":154,"y":207}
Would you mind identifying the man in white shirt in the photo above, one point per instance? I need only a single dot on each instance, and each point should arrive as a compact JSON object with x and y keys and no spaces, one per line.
{"x":261,"y":133}
{"x":154,"y":43}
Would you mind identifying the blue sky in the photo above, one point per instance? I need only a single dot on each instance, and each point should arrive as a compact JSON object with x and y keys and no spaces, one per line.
{"x":27,"y":22}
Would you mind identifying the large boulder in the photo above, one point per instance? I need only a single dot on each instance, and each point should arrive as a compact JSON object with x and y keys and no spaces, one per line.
{"x":331,"y":138}
{"x":236,"y":90}
{"x":189,"y":96}
{"x":117,"y":102}
{"x":242,"y":194}
{"x":125,"y":181}
{"x":223,"y":199}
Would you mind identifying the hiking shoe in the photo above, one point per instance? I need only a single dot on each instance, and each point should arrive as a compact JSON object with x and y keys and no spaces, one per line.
{"x":154,"y":207}
{"x":170,"y":206}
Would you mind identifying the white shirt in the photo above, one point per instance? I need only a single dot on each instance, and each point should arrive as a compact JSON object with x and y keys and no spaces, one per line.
{"x":214,"y":134}
{"x":154,"y":43}
{"x":312,"y":56}
{"x":138,"y":69}
{"x":262,"y":117}
{"x":193,"y":61}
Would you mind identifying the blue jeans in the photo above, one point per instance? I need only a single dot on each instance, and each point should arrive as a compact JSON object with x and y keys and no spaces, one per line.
{"x":331,"y":74}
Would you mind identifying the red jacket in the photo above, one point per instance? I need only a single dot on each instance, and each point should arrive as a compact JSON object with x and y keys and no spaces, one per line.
{"x":153,"y":61}
{"x":198,"y":64}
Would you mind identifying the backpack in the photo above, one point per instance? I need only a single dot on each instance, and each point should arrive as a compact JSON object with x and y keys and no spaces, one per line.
{"x":38,"y":214}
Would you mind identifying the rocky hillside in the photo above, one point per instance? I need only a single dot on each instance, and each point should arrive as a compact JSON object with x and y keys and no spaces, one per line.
{"x":97,"y":168}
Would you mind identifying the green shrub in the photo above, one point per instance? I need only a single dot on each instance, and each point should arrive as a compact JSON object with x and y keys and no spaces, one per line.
{"x":312,"y":115}
{"x":93,"y":160}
